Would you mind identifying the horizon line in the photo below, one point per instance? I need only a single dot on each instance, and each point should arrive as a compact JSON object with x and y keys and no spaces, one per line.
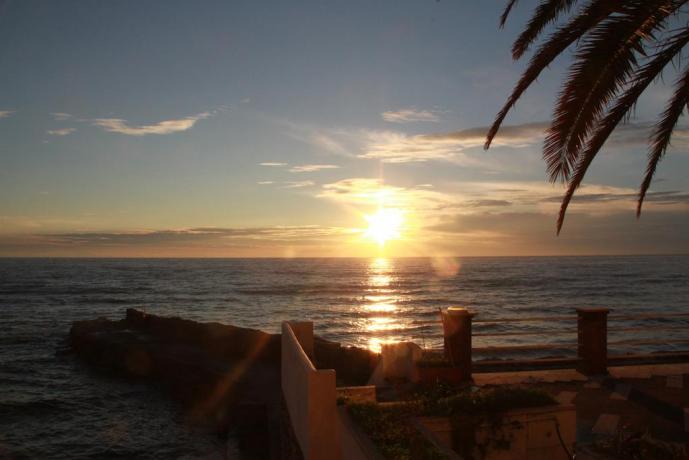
{"x":676,"y":254}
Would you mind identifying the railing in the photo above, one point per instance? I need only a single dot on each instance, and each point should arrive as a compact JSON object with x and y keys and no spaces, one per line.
{"x":587,"y":350}
{"x":309,"y":395}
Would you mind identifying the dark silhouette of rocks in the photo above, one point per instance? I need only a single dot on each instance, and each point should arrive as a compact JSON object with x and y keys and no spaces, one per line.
{"x":219,"y":372}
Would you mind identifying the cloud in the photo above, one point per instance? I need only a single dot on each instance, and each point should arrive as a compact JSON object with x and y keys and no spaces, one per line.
{"x":335,"y":141}
{"x":61,"y":132}
{"x":198,"y":241}
{"x":670,"y":197}
{"x":532,"y":233}
{"x":410,"y":115}
{"x":631,"y":134}
{"x":272,"y":164}
{"x":463,"y":147}
{"x":368,"y":192}
{"x":311,"y":168}
{"x":397,"y":147}
{"x":391,"y":146}
{"x":265,"y":182}
{"x":6,"y":113}
{"x":276,"y":233}
{"x":120,"y":126}
{"x":458,"y":146}
{"x":61,"y":116}
{"x":488,"y":203}
{"x":509,"y":136}
{"x":401,"y":148}
{"x":329,"y":143}
{"x":431,"y":205}
{"x":299,"y":184}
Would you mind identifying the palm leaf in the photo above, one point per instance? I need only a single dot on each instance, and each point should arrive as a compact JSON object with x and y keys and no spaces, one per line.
{"x":603,"y":64}
{"x":506,"y":12}
{"x":547,"y":11}
{"x":561,"y":39}
{"x":623,"y":105}
{"x":660,"y":139}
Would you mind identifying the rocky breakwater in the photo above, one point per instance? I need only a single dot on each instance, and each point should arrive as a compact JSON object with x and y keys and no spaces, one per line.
{"x":226,"y":376}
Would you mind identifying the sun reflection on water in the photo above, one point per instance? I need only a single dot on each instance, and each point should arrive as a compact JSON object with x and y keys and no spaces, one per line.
{"x":381,"y":323}
{"x":379,"y":280}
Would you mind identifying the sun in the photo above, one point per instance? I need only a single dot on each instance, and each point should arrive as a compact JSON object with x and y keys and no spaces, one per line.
{"x":384,"y":225}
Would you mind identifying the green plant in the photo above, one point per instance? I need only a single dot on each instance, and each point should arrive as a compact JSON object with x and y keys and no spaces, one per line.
{"x":391,"y":430}
{"x":638,"y":446}
{"x":469,"y":409}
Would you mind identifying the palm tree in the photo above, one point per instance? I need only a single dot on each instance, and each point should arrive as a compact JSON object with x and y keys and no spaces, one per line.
{"x":620,"y":48}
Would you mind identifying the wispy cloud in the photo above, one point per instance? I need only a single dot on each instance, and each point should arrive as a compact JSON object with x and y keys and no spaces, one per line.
{"x":391,"y":146}
{"x":409,"y":115}
{"x":273,"y":164}
{"x":396,"y":147}
{"x":460,"y":147}
{"x":329,"y":143}
{"x":311,"y":168}
{"x":264,"y":182}
{"x":299,"y":184}
{"x":469,"y":198}
{"x":61,"y":116}
{"x":61,"y":132}
{"x":6,"y":113}
{"x":285,"y":241}
{"x":369,"y":192}
{"x":632,"y":134}
{"x":276,"y":233}
{"x":120,"y":126}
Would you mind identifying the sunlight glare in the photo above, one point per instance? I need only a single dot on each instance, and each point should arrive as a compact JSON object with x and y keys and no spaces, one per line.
{"x":384,"y":225}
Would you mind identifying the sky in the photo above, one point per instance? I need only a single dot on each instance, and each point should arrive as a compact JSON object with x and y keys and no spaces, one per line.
{"x":277,"y":129}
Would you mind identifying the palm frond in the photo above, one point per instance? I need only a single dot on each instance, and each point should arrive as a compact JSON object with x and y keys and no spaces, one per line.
{"x":547,"y":11}
{"x":603,"y":64}
{"x":506,"y":12}
{"x":646,"y":75}
{"x":561,"y":39}
{"x":662,"y":133}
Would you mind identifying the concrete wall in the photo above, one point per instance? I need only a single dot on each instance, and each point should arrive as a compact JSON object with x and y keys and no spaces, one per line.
{"x":310,"y":396}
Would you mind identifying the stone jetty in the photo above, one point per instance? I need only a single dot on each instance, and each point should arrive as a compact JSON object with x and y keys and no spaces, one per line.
{"x":227,"y":377}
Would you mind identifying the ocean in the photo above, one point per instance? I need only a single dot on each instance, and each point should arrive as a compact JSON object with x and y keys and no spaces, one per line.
{"x":52,"y":406}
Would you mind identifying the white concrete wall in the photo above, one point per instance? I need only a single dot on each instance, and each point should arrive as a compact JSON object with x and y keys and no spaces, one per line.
{"x":310,"y":396}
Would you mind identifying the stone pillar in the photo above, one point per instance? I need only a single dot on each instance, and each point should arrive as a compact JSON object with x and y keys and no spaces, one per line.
{"x":592,"y":340}
{"x":457,"y":339}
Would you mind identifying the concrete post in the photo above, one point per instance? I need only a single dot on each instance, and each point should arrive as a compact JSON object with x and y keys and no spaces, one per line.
{"x":592,"y":340}
{"x":457,"y":339}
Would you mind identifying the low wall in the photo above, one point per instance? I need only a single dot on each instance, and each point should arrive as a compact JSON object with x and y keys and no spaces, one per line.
{"x":221,"y":341}
{"x":310,"y":395}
